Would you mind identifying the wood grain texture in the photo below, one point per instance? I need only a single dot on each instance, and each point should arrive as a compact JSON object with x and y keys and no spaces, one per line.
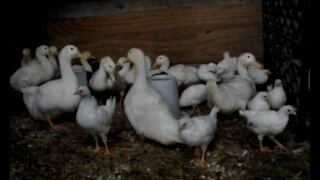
{"x":186,"y":35}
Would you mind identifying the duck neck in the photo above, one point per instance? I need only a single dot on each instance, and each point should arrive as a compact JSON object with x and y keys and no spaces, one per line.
{"x":141,"y":70}
{"x":26,"y":59}
{"x":148,"y":62}
{"x":42,"y":59}
{"x":214,"y":93}
{"x":66,"y":69}
{"x":242,"y":70}
{"x":101,"y":72}
{"x":101,"y":69}
{"x":212,"y":87}
{"x":165,"y":66}
{"x":53,"y":61}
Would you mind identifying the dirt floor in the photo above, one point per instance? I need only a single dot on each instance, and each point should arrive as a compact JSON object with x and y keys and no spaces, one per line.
{"x":38,"y":153}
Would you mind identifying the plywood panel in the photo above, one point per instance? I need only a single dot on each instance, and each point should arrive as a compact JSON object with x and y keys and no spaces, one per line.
{"x":185,"y":34}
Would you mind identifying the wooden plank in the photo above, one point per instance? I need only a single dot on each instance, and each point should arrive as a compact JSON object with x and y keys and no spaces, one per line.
{"x":187,"y":34}
{"x":87,"y":8}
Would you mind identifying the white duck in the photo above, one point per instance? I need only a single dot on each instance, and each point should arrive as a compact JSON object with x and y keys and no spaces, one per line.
{"x":34,"y":73}
{"x":244,"y":61}
{"x":26,"y":57}
{"x":234,"y":94}
{"x":199,"y":131}
{"x":147,"y":112}
{"x":95,"y":119}
{"x":84,"y":61}
{"x":104,"y":77}
{"x":53,"y":52}
{"x":277,"y":96}
{"x":51,"y":99}
{"x":259,"y":102}
{"x":185,"y":75}
{"x":127,"y":71}
{"x":268,"y":123}
{"x":258,"y":76}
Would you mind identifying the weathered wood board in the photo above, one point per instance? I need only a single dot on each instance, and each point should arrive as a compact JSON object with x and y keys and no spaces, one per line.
{"x":186,"y":34}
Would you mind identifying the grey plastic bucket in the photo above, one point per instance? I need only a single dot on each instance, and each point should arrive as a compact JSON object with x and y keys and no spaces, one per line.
{"x":81,"y":75}
{"x":166,"y":85}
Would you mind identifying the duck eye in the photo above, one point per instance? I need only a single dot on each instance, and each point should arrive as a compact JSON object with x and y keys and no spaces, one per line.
{"x":109,"y":66}
{"x":71,"y":49}
{"x":160,"y":58}
{"x":248,"y":56}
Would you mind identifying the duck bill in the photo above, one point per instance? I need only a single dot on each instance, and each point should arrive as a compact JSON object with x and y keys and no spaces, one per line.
{"x":85,"y":64}
{"x":155,"y":66}
{"x":122,"y":62}
{"x":76,"y":93}
{"x":112,"y":76}
{"x":295,"y":111}
{"x":257,"y":64}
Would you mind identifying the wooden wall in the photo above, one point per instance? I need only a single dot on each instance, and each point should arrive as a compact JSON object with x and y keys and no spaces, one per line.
{"x":195,"y":34}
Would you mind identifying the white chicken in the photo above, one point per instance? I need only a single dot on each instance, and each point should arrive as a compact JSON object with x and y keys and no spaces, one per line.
{"x":95,"y":119}
{"x":258,"y":76}
{"x":199,"y":131}
{"x":227,"y":67}
{"x":259,"y":102}
{"x":207,"y":72}
{"x":193,"y":96}
{"x":197,"y":93}
{"x":268,"y":123}
{"x":277,"y":96}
